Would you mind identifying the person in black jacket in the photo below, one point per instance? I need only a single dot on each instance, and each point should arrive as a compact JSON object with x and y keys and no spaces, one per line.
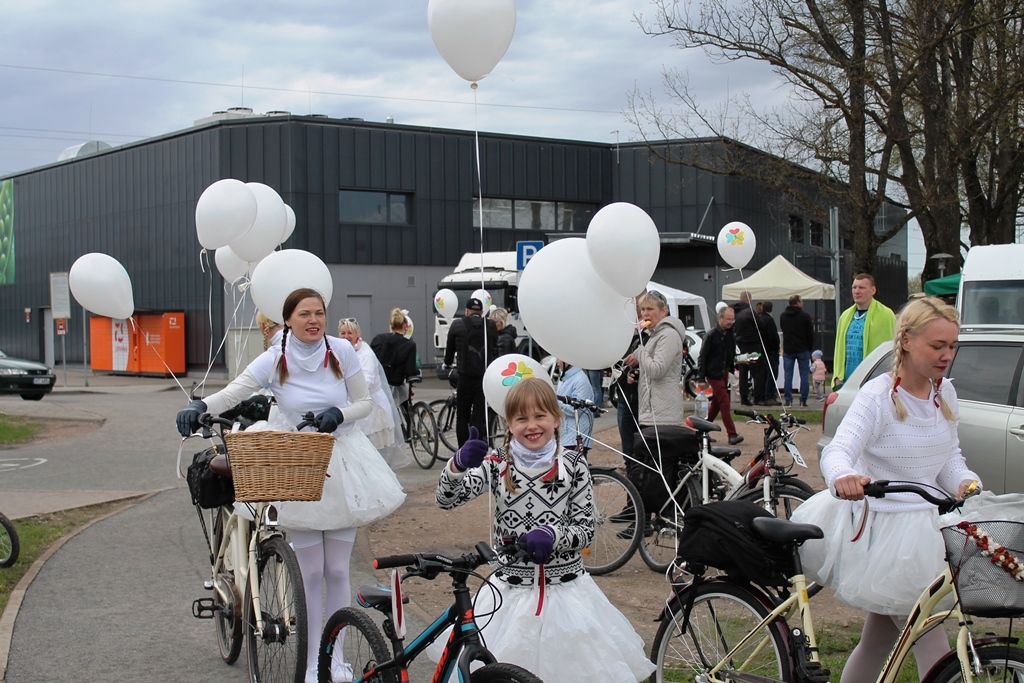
{"x":745,"y":331}
{"x":470,"y":405}
{"x":717,"y":360}
{"x":770,"y":335}
{"x":397,"y":355}
{"x":797,"y":344}
{"x":507,"y":334}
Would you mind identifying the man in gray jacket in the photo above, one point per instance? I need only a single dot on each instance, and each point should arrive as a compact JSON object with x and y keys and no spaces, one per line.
{"x":661,"y":363}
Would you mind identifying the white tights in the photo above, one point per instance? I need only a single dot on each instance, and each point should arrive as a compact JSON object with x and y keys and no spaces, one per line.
{"x":324,"y":561}
{"x":876,"y":640}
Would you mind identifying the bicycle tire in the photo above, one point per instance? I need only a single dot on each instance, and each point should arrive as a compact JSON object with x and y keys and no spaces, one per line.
{"x":658,"y":545}
{"x":363,"y":646}
{"x":613,"y":495}
{"x":278,"y":655}
{"x":787,"y":498}
{"x":998,"y":663}
{"x":423,"y":435}
{"x":499,"y":427}
{"x":722,"y":614}
{"x":10,"y":544}
{"x":445,"y":409}
{"x":227,"y":617}
{"x":502,"y":673}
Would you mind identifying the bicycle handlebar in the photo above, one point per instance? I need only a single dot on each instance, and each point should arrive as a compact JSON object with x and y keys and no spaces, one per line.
{"x":433,"y":563}
{"x":787,"y":419}
{"x":878,"y":489}
{"x":581,"y":404}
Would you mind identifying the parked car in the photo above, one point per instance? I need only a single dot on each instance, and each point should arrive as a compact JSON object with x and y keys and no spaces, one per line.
{"x":28,"y":378}
{"x":988,"y":373}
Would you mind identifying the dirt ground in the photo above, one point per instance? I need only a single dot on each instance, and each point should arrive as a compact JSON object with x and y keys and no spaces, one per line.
{"x":637,"y":591}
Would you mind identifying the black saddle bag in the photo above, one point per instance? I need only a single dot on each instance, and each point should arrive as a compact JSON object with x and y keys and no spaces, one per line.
{"x":208,"y":489}
{"x":678,"y":448}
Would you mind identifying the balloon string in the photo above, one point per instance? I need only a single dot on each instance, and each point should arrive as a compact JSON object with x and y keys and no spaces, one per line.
{"x":480,"y":207}
{"x":773,"y":368}
{"x":223,"y":339}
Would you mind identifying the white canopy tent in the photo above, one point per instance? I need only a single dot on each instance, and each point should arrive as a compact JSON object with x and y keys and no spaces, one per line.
{"x":779,"y":279}
{"x":677,"y":298}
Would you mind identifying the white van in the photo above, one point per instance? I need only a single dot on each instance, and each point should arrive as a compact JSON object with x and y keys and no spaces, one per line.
{"x":992,"y":286}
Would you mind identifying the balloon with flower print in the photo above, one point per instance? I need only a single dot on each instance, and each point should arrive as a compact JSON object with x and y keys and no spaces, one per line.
{"x":504,"y":372}
{"x":446,"y":303}
{"x":736,"y":244}
{"x":484,"y":296}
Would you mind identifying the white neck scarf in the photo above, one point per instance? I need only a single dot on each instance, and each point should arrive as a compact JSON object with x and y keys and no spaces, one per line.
{"x":533,"y":460}
{"x":304,"y":355}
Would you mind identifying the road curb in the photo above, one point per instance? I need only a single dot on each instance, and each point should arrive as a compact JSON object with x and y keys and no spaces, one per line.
{"x":10,"y":613}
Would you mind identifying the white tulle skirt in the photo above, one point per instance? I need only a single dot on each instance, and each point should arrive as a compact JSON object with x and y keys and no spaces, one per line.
{"x":899,"y":554}
{"x":360,"y":488}
{"x":579,"y":635}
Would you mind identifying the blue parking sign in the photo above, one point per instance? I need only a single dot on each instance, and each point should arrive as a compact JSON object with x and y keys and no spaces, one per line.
{"x":525,"y":251}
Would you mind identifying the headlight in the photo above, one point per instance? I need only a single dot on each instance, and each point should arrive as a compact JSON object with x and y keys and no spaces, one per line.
{"x":12,"y":371}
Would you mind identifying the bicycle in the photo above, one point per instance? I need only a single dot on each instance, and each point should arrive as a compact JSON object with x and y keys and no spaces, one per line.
{"x":420,"y":428}
{"x":763,"y":481}
{"x":363,"y":646}
{"x":446,"y":410}
{"x":706,"y":635}
{"x":255,"y":580}
{"x":616,"y":502}
{"x":10,"y":545}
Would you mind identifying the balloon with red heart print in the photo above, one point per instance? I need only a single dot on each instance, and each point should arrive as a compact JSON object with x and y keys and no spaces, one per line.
{"x":504,"y":372}
{"x":736,"y":244}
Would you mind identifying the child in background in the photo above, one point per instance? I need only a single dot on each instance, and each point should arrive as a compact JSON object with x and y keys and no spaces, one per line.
{"x":818,"y":371}
{"x":551,"y":617}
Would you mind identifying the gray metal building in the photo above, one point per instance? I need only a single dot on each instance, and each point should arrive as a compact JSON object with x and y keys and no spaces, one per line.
{"x":389,"y":208}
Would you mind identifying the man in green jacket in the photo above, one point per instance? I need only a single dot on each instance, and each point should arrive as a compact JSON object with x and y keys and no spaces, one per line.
{"x":862,"y":328}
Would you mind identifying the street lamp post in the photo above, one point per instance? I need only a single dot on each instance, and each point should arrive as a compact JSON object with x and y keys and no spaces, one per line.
{"x":941,"y":262}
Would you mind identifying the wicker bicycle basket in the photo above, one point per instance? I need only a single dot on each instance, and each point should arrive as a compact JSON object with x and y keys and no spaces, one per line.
{"x":272,"y":466}
{"x":985,"y":588}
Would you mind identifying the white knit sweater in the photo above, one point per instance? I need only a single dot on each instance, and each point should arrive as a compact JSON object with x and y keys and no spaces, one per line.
{"x":872,"y":441}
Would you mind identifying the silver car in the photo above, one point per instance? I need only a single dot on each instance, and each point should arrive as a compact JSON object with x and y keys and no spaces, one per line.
{"x":988,"y":373}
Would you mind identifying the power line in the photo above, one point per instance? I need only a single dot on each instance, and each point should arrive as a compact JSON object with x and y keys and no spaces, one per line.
{"x":74,"y":132}
{"x":296,"y":90}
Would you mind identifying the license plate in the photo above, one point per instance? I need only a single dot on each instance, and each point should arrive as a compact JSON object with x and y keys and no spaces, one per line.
{"x":41,"y":380}
{"x":797,"y":458}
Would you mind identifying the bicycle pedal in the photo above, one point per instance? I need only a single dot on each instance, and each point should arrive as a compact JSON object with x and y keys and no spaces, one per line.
{"x":208,"y":585}
{"x":203,"y":608}
{"x":813,"y":672}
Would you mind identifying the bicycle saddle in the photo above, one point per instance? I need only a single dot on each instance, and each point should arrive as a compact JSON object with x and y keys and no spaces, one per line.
{"x":376,"y":597}
{"x":777,"y":530}
{"x":726,"y":453}
{"x":701,"y":425}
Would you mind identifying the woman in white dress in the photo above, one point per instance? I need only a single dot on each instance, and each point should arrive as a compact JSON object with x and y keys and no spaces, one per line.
{"x":308,"y":371}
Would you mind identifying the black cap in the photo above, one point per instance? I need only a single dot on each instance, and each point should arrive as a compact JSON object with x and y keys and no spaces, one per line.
{"x":474,"y":304}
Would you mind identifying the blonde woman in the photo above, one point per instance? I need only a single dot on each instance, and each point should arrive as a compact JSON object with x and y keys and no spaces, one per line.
{"x":397,"y":355}
{"x":902,"y":426}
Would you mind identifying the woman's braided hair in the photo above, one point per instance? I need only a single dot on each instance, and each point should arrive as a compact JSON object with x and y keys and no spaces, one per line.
{"x":912,"y":320}
{"x":531,"y":393}
{"x":290,"y":304}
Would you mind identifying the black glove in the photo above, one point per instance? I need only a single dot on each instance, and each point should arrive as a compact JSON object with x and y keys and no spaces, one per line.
{"x":472,"y":452}
{"x":188,"y":419}
{"x":329,"y":420}
{"x":540,"y":543}
{"x":252,"y":409}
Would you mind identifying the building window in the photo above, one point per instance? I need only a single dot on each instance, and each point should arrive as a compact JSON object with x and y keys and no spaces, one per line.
{"x":359,"y":206}
{"x":527,"y":214}
{"x":796,"y":229}
{"x":817,"y":234}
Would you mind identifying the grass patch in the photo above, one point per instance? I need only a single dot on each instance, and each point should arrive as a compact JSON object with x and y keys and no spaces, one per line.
{"x":16,"y":430}
{"x":38,"y":533}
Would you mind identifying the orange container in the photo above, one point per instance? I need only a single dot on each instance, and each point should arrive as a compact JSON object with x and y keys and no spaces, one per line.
{"x":155,"y":344}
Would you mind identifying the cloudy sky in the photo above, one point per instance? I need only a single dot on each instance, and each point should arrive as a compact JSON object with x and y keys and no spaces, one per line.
{"x":122,"y":70}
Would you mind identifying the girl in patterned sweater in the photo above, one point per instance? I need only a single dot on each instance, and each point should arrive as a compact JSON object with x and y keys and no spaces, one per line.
{"x":902,"y":427}
{"x":550,"y":618}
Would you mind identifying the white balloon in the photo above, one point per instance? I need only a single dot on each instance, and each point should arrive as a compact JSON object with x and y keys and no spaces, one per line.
{"x":484,"y":296}
{"x":736,"y":244}
{"x":446,"y":303}
{"x":570,"y":310}
{"x":289,"y":226}
{"x":472,"y":35}
{"x":624,"y":246}
{"x":265,"y":233}
{"x":504,"y":372}
{"x":224,"y":213}
{"x":409,"y":326}
{"x":101,"y":285}
{"x":229,"y":264}
{"x":281,"y":273}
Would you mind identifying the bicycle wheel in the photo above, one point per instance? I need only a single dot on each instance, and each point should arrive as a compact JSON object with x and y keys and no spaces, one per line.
{"x":722,"y":615}
{"x":997,"y":662}
{"x":227,"y":615}
{"x":352,"y":643}
{"x":786,"y":499}
{"x":423,"y":436}
{"x":278,"y":653}
{"x":498,"y":428}
{"x":618,"y":510}
{"x":658,"y":545}
{"x":10,"y":546}
{"x":502,"y":673}
{"x":445,"y":410}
